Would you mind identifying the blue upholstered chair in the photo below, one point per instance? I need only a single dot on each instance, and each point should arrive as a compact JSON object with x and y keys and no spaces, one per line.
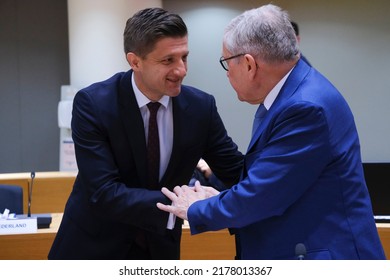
{"x":11,"y":197}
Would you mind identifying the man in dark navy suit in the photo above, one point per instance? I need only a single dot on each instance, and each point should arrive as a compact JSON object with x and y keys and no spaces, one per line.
{"x":111,"y":212}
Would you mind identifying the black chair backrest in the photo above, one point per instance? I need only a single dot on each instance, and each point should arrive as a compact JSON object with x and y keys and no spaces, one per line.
{"x":11,"y":197}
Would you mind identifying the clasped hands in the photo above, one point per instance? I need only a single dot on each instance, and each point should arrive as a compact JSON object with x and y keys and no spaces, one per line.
{"x":183,"y":197}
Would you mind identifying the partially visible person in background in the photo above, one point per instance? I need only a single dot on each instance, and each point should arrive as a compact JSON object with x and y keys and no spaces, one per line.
{"x":302,"y":192}
{"x":206,"y":177}
{"x":296,"y":29}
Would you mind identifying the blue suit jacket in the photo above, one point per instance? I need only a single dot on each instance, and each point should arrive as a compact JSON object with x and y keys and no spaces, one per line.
{"x":110,"y":201}
{"x":302,"y":181}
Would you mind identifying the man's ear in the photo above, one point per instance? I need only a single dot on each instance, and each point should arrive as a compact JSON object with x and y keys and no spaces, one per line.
{"x":251,"y":65}
{"x":133,"y":60}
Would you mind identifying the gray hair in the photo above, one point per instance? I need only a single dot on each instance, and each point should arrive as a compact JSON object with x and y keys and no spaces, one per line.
{"x":265,"y":32}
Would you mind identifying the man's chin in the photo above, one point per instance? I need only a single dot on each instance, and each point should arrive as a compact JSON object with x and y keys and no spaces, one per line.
{"x":172,"y":92}
{"x":240,"y":98}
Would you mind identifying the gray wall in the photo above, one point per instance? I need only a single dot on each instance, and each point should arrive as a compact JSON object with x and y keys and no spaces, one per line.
{"x":347,"y":40}
{"x":34,"y":63}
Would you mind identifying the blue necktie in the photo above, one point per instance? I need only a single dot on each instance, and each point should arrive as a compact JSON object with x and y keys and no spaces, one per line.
{"x":259,"y":116}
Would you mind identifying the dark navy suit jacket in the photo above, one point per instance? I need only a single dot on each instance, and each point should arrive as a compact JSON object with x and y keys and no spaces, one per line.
{"x":110,"y":201}
{"x":302,"y":181}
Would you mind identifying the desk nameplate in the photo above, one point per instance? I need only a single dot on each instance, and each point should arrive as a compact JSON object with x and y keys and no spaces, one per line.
{"x":18,"y":226}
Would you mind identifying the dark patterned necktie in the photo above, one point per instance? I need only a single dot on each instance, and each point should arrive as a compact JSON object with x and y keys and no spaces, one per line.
{"x":153,"y":147}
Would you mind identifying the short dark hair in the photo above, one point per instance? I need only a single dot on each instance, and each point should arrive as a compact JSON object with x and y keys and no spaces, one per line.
{"x":147,"y":26}
{"x":295,"y":26}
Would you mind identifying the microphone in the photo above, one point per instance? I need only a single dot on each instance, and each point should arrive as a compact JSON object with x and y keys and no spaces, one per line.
{"x":43,"y":220}
{"x":300,"y":251}
{"x":30,"y":185}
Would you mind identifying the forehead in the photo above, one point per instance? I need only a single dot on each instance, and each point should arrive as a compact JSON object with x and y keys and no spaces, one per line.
{"x":171,"y":46}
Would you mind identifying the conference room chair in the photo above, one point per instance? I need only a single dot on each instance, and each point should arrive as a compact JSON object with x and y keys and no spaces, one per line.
{"x":11,"y":197}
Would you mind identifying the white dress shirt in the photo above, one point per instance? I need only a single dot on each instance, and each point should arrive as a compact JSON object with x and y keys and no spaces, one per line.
{"x":165,"y":130}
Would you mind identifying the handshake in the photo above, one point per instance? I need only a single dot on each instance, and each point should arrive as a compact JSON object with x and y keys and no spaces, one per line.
{"x":183,"y":197}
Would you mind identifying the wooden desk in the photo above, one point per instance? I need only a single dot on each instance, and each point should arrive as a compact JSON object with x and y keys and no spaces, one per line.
{"x":384,"y":234}
{"x":34,"y":246}
{"x":213,"y":245}
{"x":50,"y":193}
{"x":207,"y":246}
{"x":218,"y":245}
{"x":50,"y":189}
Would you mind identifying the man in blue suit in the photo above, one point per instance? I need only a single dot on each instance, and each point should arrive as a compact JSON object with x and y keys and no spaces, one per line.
{"x":302,"y":182}
{"x":111,"y":212}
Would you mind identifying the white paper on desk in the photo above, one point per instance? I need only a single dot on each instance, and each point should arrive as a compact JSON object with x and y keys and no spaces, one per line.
{"x":65,"y":113}
{"x":5,"y":214}
{"x":18,"y":226}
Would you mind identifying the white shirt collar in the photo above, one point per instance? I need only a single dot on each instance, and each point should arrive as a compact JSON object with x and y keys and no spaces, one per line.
{"x":270,"y":98}
{"x":142,"y":100}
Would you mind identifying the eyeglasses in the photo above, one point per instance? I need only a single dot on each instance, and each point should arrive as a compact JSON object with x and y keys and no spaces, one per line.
{"x":224,"y":63}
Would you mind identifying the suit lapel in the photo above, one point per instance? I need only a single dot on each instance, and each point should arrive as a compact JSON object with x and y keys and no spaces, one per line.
{"x":293,"y":81}
{"x":180,"y":121}
{"x":134,"y":126}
